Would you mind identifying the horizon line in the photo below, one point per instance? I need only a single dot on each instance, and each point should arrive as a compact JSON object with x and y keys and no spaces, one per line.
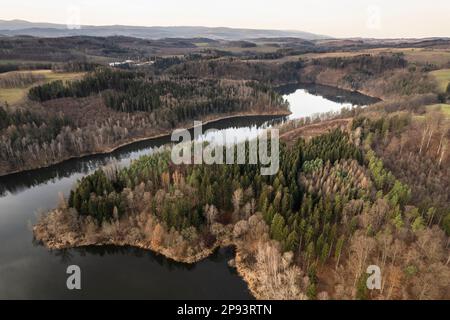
{"x":327,"y":37}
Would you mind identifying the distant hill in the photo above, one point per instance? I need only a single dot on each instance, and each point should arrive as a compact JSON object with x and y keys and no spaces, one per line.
{"x":21,"y":27}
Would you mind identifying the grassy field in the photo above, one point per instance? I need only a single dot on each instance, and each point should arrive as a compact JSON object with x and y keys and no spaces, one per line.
{"x":442,"y":107}
{"x":63,"y":76}
{"x":260,"y":47}
{"x":22,"y":62}
{"x":11,"y":96}
{"x":438,"y":57}
{"x":445,"y":108}
{"x":443,"y":78}
{"x":16,"y":95}
{"x":202,"y":44}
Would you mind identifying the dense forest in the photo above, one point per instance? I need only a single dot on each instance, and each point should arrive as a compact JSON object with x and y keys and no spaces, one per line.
{"x":417,"y":153}
{"x":134,"y":91}
{"x":110,"y":107}
{"x":332,"y":208}
{"x":383,"y":75}
{"x":232,"y":68}
{"x":78,"y":48}
{"x":366,"y":186}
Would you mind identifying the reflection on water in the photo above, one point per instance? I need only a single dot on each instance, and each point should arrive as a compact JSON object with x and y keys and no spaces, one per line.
{"x":67,"y":256}
{"x":329,"y":93}
{"x":304,"y":100}
{"x":28,"y":270}
{"x":21,"y":181}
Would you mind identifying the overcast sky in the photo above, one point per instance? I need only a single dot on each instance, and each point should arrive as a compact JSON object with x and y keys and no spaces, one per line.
{"x":338,"y":18}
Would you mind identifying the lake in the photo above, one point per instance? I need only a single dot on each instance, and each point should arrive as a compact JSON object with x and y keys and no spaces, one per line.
{"x":30,"y":271}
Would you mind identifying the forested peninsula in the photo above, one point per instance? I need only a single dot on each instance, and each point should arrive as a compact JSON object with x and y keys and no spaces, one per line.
{"x":361,"y":187}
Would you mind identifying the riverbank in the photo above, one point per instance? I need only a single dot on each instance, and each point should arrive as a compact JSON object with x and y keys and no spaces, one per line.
{"x":249,"y":276}
{"x":363,"y":91}
{"x":63,"y":229}
{"x":339,"y":86}
{"x":166,"y":133}
{"x":261,"y":282}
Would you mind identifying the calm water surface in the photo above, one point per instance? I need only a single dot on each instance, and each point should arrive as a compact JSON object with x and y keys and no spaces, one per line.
{"x":28,"y":270}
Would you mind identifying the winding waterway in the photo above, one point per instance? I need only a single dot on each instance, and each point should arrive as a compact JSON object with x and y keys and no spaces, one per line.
{"x":30,"y":271}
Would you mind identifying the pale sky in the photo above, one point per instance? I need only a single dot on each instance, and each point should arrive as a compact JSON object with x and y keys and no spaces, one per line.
{"x":337,"y":18}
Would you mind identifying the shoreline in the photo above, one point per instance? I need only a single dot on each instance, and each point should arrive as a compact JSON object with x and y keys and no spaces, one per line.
{"x":243,"y":272}
{"x":112,"y":149}
{"x":249,"y":276}
{"x":335,"y":86}
{"x":137,"y":140}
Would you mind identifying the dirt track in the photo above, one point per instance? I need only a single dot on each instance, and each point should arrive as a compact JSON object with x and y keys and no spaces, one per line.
{"x":314,"y":130}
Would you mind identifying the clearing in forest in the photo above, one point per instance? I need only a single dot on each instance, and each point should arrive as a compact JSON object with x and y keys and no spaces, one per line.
{"x":443,"y":78}
{"x":15,"y":94}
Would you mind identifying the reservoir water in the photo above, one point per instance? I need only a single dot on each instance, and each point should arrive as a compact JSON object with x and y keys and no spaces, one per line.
{"x":30,"y":271}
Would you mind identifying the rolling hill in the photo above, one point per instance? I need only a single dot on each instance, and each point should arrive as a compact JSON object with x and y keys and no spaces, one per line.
{"x":21,"y":27}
